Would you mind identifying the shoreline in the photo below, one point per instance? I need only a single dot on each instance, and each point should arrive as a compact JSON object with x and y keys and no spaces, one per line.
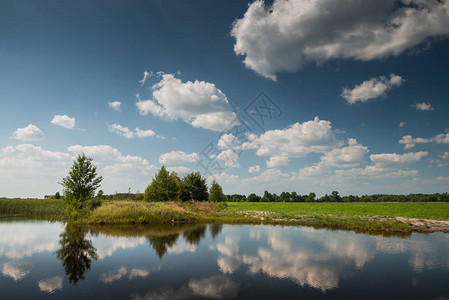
{"x":346,"y":216}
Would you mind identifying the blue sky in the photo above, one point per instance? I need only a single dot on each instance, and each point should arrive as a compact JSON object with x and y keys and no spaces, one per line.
{"x":359,"y":93}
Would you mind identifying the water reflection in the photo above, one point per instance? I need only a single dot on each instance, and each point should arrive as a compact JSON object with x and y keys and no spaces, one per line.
{"x":50,"y":285}
{"x":123,"y":272}
{"x":191,"y":261}
{"x":76,"y":252}
{"x":215,"y":287}
{"x":17,"y":269}
{"x":163,"y":238}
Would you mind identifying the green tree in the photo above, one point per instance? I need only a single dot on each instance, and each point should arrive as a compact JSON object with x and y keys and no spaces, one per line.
{"x":164,"y":187}
{"x":80,"y":184}
{"x":193,"y":187}
{"x":253,"y":198}
{"x":311,"y":197}
{"x":336,"y":197}
{"x":57,"y":195}
{"x":216,"y":193}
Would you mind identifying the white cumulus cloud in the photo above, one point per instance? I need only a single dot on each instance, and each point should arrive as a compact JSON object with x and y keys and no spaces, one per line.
{"x":389,"y":159}
{"x":115,"y":105}
{"x":199,"y":103}
{"x":64,"y":121}
{"x":121,"y":130}
{"x":144,"y":133}
{"x":423,"y":106}
{"x":371,"y":89}
{"x":409,"y":142}
{"x":288,"y":34}
{"x":277,"y":161}
{"x":177,"y":157}
{"x":297,"y":140}
{"x":29,"y":133}
{"x":254,"y":169}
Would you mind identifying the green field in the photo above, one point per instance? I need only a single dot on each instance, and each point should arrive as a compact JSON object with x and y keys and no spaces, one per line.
{"x":378,"y":216}
{"x":426,"y":210}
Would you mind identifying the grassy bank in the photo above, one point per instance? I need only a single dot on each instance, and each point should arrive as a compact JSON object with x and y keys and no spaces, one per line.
{"x":51,"y":208}
{"x":364,"y":216}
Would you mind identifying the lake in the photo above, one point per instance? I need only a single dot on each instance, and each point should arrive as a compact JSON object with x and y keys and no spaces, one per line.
{"x":44,"y":260}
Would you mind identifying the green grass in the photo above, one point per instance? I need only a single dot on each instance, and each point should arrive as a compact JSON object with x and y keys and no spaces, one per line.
{"x":377,"y":216}
{"x":425,"y":210}
{"x":125,"y":212}
{"x":32,"y":207}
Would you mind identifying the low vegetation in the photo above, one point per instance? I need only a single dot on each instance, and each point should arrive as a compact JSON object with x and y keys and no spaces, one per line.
{"x":51,"y":208}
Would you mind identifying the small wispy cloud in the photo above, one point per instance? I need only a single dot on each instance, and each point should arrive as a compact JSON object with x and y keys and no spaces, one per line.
{"x":115,"y":105}
{"x":424,"y":106}
{"x":129,"y":134}
{"x":371,"y":89}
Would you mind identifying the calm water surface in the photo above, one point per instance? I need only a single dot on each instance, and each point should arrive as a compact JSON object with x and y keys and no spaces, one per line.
{"x":43,"y":260}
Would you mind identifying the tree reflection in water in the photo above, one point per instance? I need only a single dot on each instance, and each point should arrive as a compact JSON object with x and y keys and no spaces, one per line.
{"x":194,"y":236}
{"x":76,"y":252}
{"x":161,"y":244}
{"x":215,"y":229}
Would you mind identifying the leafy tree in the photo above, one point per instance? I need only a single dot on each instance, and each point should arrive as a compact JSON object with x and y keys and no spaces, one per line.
{"x":268,"y":195}
{"x":57,"y":195}
{"x":253,"y":198}
{"x":311,"y":197}
{"x":193,"y":187}
{"x":216,"y":193}
{"x":164,"y":187}
{"x":80,"y":184}
{"x":264,"y":199}
{"x":336,"y":196}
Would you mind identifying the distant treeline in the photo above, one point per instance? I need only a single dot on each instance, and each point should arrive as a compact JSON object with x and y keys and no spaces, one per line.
{"x":311,"y":197}
{"x":335,"y":197}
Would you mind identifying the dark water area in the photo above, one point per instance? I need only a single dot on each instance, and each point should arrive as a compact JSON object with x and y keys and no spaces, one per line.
{"x":43,"y":260}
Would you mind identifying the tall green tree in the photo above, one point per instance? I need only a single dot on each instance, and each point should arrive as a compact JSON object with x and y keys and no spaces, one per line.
{"x":253,"y":198}
{"x":193,"y":187}
{"x":80,"y":184}
{"x":164,"y":187}
{"x":216,"y":193}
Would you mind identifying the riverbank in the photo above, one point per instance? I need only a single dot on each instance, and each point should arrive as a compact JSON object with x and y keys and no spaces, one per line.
{"x":382,"y":217}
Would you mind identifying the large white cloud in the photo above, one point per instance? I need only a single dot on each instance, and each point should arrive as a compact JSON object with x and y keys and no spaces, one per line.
{"x":289,"y":34}
{"x":27,"y":157}
{"x":199,"y":103}
{"x":29,"y":133}
{"x":64,"y":121}
{"x":346,"y":157}
{"x":370,"y":89}
{"x":297,"y":140}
